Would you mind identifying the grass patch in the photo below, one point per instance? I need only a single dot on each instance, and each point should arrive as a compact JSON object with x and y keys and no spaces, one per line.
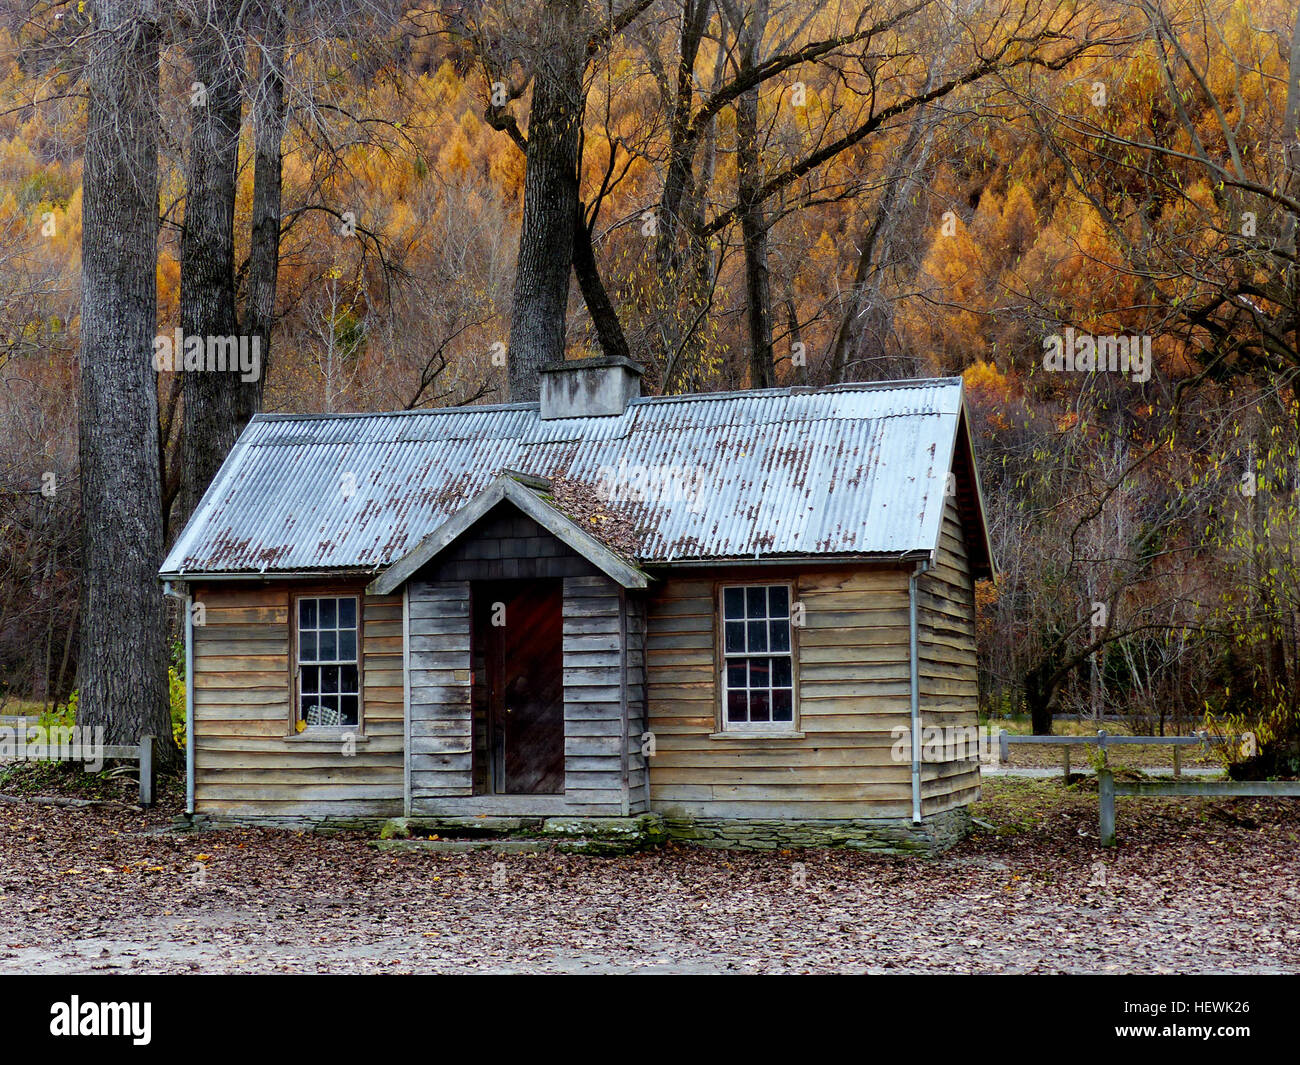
{"x":22,"y":708}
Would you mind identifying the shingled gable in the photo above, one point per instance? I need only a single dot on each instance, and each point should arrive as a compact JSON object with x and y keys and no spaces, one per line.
{"x":525,"y":494}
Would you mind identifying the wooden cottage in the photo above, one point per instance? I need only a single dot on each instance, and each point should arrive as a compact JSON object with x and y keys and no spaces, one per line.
{"x":721,"y":609}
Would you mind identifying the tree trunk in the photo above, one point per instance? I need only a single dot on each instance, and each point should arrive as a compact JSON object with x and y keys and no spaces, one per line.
{"x":679,"y":174}
{"x":264,"y":245}
{"x":537,"y":319}
{"x":753,"y":218}
{"x":123,"y":662}
{"x":613,"y":341}
{"x":867,"y":318}
{"x":213,"y":396}
{"x":1038,"y":697}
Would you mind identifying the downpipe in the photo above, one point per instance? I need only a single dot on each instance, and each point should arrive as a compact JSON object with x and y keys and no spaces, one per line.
{"x":187,"y":606}
{"x":915,"y":687}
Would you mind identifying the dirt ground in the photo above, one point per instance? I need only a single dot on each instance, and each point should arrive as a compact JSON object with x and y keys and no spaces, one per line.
{"x":1195,"y":886}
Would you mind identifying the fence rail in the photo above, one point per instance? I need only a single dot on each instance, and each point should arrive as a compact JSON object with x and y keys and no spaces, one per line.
{"x":141,"y":753}
{"x":1108,"y":787}
{"x":1102,"y":740}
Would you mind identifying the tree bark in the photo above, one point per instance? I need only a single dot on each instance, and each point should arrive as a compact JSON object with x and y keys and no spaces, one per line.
{"x":1038,"y":696}
{"x":613,"y":341}
{"x":264,"y":246}
{"x":679,"y":175}
{"x":753,"y":219}
{"x":123,"y":661}
{"x":537,"y":319}
{"x":213,"y":397}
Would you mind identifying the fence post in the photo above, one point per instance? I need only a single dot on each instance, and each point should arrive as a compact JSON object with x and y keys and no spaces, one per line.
{"x":1101,"y":744}
{"x":146,"y":770}
{"x":1106,"y":813}
{"x":1004,"y":748}
{"x":1178,"y":761}
{"x":1066,"y":748}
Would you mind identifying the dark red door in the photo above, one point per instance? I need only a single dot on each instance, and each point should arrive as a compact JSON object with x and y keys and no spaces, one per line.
{"x":522,"y":629}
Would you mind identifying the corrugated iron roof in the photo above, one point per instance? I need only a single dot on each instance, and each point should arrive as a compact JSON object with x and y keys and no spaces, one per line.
{"x":849,"y":470}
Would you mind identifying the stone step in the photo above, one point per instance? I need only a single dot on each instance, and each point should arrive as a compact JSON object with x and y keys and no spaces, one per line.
{"x":464,"y":846}
{"x":568,"y":835}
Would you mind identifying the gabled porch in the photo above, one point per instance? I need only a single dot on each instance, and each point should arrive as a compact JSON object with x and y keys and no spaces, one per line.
{"x":524,"y":668}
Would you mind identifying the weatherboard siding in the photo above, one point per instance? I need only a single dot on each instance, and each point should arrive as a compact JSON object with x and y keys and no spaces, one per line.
{"x":440,"y":667}
{"x":948,"y":680}
{"x":248,"y":762}
{"x":596,"y":727}
{"x":852,"y":689}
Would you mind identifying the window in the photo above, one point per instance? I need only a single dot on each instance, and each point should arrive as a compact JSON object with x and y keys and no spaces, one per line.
{"x":758,"y":665}
{"x":329,"y":691}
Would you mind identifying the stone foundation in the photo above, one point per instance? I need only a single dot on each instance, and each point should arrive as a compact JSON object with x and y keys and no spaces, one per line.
{"x":934,"y":835}
{"x":623,"y":835}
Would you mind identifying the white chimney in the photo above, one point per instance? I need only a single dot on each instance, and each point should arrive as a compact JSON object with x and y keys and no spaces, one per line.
{"x":586,"y":388}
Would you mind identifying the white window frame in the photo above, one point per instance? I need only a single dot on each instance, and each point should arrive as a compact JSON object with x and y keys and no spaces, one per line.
{"x":725,"y":658}
{"x":299,"y":663}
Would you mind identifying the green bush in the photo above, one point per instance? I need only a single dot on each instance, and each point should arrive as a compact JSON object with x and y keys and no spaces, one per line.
{"x":176,"y":691}
{"x":66,"y":713}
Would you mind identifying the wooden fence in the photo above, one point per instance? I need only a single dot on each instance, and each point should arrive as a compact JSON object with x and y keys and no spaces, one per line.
{"x":141,"y":753}
{"x":1102,"y":740}
{"x":1108,"y":788}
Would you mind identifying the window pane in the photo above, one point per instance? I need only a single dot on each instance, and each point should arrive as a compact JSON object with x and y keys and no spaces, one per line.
{"x":756,"y":602}
{"x":778,"y":601}
{"x":733,"y":603}
{"x":735,"y":636}
{"x":736,"y":703}
{"x":307,"y":613}
{"x":347,"y":613}
{"x":781,"y":671}
{"x":780,"y":631}
{"x":758,"y":706}
{"x":348,"y":709}
{"x":329,"y":678}
{"x":347,"y":645}
{"x":327,"y":613}
{"x":348,"y":679}
{"x":782,"y":705}
{"x":759,"y":672}
{"x":307,"y":646}
{"x":757,"y":636}
{"x":310,"y":679}
{"x":328,"y":646}
{"x":736,"y":673}
{"x":324,"y":710}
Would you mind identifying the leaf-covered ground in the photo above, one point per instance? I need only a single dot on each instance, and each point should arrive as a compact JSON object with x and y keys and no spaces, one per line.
{"x":1195,"y":886}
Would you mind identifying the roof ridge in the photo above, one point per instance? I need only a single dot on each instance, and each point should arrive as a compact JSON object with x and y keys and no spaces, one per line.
{"x":684,"y":397}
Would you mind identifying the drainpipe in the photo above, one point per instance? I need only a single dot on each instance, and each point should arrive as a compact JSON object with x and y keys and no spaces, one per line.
{"x":186,"y":602}
{"x":921,"y":567}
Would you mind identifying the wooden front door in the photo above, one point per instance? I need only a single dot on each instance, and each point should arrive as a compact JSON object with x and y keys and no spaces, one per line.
{"x":521,"y":629}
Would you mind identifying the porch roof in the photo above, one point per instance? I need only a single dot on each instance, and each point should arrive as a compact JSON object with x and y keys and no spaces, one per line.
{"x":530,"y":497}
